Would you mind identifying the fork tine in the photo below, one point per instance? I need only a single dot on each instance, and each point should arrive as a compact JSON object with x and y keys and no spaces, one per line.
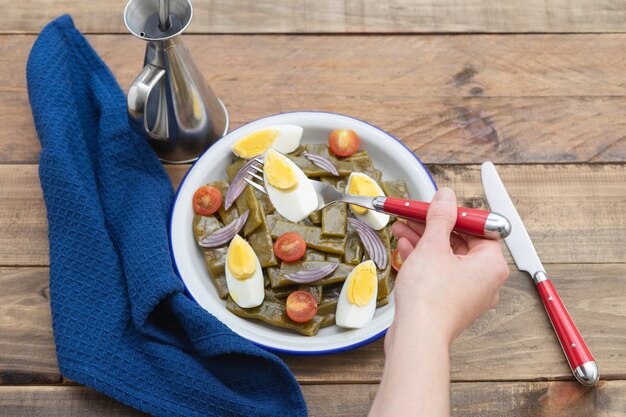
{"x":259,"y":160}
{"x":256,"y":168}
{"x":258,"y":177}
{"x":255,"y":185}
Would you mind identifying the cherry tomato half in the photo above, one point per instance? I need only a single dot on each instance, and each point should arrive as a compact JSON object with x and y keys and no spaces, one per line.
{"x":289,"y":247}
{"x":343,"y":142}
{"x":396,"y":259}
{"x":207,"y":200}
{"x":301,"y":306}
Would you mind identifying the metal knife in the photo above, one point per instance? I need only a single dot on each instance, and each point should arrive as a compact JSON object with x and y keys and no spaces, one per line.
{"x":578,"y":356}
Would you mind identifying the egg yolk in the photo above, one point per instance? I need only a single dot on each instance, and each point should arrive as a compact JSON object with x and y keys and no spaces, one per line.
{"x":240,"y":259}
{"x":364,"y":186}
{"x":278,"y":172}
{"x":362,"y":284}
{"x":254,"y":144}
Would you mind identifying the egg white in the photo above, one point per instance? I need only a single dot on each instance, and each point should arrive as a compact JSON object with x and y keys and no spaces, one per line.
{"x":296,"y":204}
{"x":372,"y":218}
{"x":352,"y":316}
{"x":249,"y":292}
{"x":287,"y":139}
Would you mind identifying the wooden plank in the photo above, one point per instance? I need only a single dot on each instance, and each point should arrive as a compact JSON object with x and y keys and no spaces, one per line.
{"x":512,"y":342}
{"x":355,"y":16}
{"x":60,"y":401}
{"x":592,"y":196}
{"x":520,"y":399}
{"x":27,"y":345}
{"x":453,"y":99}
{"x":565,"y":213}
{"x":23,"y":224}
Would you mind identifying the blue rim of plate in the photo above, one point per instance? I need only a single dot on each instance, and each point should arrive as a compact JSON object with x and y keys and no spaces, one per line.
{"x":271,"y":348}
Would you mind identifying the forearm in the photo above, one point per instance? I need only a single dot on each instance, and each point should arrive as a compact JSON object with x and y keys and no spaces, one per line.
{"x":416,"y":379}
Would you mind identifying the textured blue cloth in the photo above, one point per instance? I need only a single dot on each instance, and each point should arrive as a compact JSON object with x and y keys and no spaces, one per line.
{"x":122,"y":321}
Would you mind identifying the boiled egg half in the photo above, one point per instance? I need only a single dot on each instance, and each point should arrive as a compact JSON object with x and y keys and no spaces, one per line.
{"x":364,"y":185}
{"x":357,"y":300}
{"x":283,"y":138}
{"x":244,"y":276}
{"x":289,"y":189}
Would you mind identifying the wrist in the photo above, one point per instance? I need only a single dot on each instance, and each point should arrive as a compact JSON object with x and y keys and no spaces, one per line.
{"x":418,"y":330}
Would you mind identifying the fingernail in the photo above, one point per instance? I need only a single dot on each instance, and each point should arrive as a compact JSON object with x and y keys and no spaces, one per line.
{"x":444,"y":194}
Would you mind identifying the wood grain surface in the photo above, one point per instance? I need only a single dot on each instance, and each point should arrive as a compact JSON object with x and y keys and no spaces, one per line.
{"x":575,"y":214}
{"x":513,"y":342}
{"x":452,"y":99}
{"x":26,"y":342}
{"x":528,"y":399}
{"x":537,"y":86}
{"x":353,"y":16}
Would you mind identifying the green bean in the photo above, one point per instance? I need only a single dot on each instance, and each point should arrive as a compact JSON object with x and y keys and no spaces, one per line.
{"x":385,"y":282}
{"x":312,"y":236}
{"x":230,"y":215}
{"x":261,"y":242}
{"x":315,"y":290}
{"x":248,"y":201}
{"x":354,"y":247}
{"x":327,"y":320}
{"x":214,"y":258}
{"x":327,"y":307}
{"x":275,"y":314}
{"x":314,"y":255}
{"x":335,"y":216}
{"x":340,"y":274}
{"x":316,"y":217}
{"x":330,"y":257}
{"x":395,"y":188}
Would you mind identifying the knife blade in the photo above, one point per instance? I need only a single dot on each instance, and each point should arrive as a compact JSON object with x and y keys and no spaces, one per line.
{"x":580,"y":360}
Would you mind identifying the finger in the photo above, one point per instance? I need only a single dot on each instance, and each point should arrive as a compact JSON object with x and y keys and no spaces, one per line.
{"x":401,"y":230}
{"x":475,"y":242}
{"x":441,"y":218}
{"x":404,"y":248}
{"x":457,"y":240}
{"x":458,"y":244}
{"x":478,"y":245}
{"x":417,"y":227}
{"x":490,"y":259}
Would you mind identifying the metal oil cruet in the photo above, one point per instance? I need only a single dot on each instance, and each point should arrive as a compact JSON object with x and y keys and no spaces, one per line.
{"x":169,"y":102}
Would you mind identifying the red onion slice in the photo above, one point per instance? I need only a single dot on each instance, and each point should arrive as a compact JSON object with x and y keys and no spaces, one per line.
{"x":225,"y":234}
{"x":311,"y":275}
{"x":321,"y":162}
{"x":371,"y":242}
{"x":238,"y":184}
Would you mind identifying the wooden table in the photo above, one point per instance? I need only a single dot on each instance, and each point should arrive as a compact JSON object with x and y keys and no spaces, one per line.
{"x":536,"y":87}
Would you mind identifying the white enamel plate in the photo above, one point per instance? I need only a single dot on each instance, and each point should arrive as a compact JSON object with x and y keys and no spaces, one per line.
{"x":389,"y":155}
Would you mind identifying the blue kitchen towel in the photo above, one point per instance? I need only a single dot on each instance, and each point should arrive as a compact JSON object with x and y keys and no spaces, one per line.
{"x":122,"y":321}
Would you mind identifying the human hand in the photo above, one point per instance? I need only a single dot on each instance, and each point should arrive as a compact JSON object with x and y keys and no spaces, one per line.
{"x":448,"y":279}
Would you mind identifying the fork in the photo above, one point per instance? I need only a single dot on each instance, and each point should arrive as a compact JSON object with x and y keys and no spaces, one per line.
{"x":481,"y":223}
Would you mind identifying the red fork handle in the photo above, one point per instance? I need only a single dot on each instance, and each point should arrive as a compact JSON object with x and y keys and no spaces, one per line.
{"x":576,"y":351}
{"x":475,"y":222}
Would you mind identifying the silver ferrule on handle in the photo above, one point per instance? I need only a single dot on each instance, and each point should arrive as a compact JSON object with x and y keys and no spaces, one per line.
{"x":367,"y":202}
{"x":379,"y":203}
{"x":587,"y":373}
{"x":539,"y":276}
{"x":497,"y":226}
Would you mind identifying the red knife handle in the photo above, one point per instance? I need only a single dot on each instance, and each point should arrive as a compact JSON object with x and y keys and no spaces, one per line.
{"x":475,"y":222}
{"x":578,"y":355}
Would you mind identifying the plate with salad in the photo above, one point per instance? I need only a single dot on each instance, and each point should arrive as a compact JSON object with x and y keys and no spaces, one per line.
{"x":267,"y":264}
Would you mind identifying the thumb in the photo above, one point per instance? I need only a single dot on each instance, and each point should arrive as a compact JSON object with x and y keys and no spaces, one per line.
{"x":441,"y":217}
